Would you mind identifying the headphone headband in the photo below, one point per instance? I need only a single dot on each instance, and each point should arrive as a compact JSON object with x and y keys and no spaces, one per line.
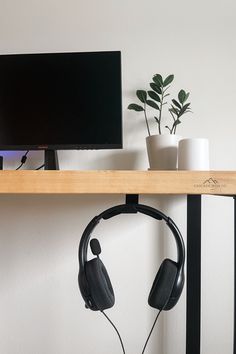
{"x":130,"y":209}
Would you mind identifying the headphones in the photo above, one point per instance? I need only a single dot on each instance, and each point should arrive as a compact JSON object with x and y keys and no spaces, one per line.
{"x":94,"y":282}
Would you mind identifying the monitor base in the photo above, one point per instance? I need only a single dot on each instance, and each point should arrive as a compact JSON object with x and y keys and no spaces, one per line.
{"x":51,"y":160}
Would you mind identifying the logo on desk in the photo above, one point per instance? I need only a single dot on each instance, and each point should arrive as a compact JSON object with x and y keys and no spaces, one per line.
{"x":210,"y":184}
{"x":211,"y":181}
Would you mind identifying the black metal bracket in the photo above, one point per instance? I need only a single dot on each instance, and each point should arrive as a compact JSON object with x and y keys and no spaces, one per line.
{"x":131,"y":198}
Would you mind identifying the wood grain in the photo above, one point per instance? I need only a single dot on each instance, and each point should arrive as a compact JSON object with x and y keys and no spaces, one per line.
{"x":118,"y":182}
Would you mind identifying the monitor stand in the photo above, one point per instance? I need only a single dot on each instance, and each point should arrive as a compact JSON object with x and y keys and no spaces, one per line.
{"x":51,"y":160}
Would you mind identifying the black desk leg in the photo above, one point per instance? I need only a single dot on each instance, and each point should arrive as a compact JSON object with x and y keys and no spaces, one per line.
{"x":193,"y":319}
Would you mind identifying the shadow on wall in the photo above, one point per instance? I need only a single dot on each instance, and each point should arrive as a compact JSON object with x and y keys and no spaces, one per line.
{"x":101,"y":159}
{"x":45,"y":222}
{"x":120,"y":160}
{"x":38,"y":270}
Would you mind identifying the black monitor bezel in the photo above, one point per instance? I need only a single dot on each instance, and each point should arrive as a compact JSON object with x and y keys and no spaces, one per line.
{"x":36,"y":147}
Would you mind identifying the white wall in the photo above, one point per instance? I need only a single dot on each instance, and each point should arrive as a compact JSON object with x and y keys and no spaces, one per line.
{"x":41,"y":309}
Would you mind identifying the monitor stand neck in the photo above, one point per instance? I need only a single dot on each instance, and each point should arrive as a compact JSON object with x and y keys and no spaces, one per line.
{"x":51,"y":160}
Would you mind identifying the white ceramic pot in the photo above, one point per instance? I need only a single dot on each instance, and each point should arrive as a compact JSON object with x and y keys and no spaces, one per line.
{"x":162,"y":151}
{"x":193,"y":154}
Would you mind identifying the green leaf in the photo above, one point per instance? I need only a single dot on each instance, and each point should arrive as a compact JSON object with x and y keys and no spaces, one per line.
{"x":187,"y":96}
{"x":174,"y":110}
{"x":182,"y":96}
{"x":168,"y":80}
{"x":158,"y":79}
{"x":135,"y":107}
{"x":152,"y":104}
{"x":154,"y":96}
{"x":177,"y":122}
{"x":184,"y":109}
{"x":142,"y":95}
{"x":166,"y":89}
{"x":155,"y":87}
{"x":176,"y":104}
{"x":186,"y":105}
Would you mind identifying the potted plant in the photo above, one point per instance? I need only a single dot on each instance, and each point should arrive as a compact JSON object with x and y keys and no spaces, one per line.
{"x":162,"y":148}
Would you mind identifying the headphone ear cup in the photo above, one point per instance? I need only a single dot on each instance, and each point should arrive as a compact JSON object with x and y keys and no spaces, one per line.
{"x":99,"y":283}
{"x":163,"y":285}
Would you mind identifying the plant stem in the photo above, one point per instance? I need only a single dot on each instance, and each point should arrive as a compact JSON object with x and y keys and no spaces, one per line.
{"x":160,"y":111}
{"x":173,"y":126}
{"x":146,"y":120}
{"x":177,"y":118}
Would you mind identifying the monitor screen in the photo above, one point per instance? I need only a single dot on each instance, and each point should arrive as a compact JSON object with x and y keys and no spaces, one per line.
{"x":60,"y":101}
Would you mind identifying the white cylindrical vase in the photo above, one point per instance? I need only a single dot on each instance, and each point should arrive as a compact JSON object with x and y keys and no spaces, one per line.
{"x":162,"y":151}
{"x":193,"y":154}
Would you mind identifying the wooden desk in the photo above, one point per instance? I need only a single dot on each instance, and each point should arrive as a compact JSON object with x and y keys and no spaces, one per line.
{"x":192,"y":183}
{"x":118,"y":182}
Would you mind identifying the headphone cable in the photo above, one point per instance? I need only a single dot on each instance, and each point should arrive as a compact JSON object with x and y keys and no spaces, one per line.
{"x":121,"y":342}
{"x":145,"y":345}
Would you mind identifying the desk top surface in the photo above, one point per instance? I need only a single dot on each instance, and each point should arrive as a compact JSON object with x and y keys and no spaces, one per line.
{"x":118,"y":182}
